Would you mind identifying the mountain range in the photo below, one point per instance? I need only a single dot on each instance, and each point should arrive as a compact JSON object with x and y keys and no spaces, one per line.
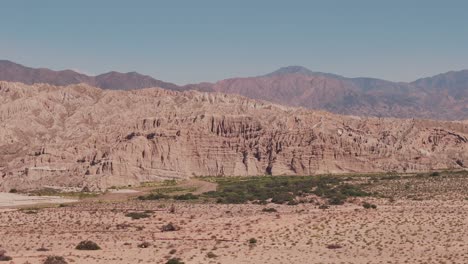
{"x":13,"y":72}
{"x":444,"y":96}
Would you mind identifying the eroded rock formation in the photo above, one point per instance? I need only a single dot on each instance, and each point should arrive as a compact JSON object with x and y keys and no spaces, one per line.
{"x":84,"y":136}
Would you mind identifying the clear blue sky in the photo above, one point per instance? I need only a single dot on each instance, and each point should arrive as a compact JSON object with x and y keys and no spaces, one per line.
{"x":198,"y":40}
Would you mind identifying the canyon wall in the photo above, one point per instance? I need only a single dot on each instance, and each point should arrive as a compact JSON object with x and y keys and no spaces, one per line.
{"x":84,"y":136}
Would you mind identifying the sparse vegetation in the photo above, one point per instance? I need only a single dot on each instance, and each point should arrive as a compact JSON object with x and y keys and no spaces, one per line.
{"x":323,"y":206}
{"x":187,"y":196}
{"x":175,"y":261}
{"x":87,"y":245}
{"x":367,"y":205}
{"x":138,"y":215}
{"x":283,"y":189}
{"x":153,"y":196}
{"x":144,"y":245}
{"x":334,"y":246}
{"x":211,"y":255}
{"x":169,"y":227}
{"x":3,"y":256}
{"x":269,"y":210}
{"x":42,"y":249}
{"x":55,"y":260}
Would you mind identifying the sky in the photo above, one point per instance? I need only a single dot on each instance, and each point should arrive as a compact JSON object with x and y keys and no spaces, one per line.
{"x":209,"y":40}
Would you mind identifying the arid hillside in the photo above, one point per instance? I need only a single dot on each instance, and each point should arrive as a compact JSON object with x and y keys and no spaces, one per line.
{"x":84,"y":136}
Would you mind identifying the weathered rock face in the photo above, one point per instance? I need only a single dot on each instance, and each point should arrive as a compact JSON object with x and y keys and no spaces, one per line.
{"x":83,"y":136}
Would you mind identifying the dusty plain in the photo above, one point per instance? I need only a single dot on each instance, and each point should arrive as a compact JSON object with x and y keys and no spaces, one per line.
{"x":418,"y":219}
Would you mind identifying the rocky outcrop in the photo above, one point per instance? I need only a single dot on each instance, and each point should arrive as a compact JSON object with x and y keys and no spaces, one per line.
{"x":83,"y":136}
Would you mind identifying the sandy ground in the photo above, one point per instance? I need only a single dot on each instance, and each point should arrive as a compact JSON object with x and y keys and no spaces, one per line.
{"x":13,"y":199}
{"x":400,"y":232}
{"x":124,"y":191}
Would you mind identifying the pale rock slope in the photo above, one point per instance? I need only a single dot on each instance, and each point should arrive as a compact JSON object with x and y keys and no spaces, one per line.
{"x":84,"y":136}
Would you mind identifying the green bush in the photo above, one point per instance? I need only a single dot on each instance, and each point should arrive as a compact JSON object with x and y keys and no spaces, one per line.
{"x":269,"y":210}
{"x":282,"y":189}
{"x":252,"y":241}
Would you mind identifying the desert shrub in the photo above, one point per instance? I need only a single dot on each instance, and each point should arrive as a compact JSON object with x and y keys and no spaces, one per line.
{"x":175,"y":261}
{"x":172,"y":209}
{"x":144,"y":245}
{"x":211,"y":255}
{"x":173,"y":251}
{"x":137,"y":215}
{"x":87,"y":245}
{"x":293,"y":202}
{"x":252,"y":241}
{"x":55,"y":260}
{"x":367,"y":205}
{"x":153,"y":196}
{"x":323,"y":206}
{"x":435,"y":174}
{"x":169,"y":227}
{"x":4,"y":257}
{"x":130,"y":136}
{"x":334,"y":246}
{"x":184,"y":197}
{"x":269,"y":210}
{"x":262,"y":202}
{"x":42,"y":249}
{"x":281,"y":198}
{"x":151,"y":136}
{"x":336,"y":200}
{"x":13,"y":190}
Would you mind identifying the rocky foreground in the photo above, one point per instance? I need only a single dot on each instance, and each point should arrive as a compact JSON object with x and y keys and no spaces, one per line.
{"x":84,"y":136}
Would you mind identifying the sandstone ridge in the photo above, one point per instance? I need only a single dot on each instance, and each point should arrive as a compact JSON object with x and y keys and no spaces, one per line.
{"x":80,"y":136}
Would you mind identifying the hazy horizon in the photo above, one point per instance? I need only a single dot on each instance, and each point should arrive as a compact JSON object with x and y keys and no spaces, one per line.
{"x":211,"y":41}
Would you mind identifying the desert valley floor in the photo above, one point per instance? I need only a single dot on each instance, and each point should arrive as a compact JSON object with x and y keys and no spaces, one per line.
{"x":417,"y":219}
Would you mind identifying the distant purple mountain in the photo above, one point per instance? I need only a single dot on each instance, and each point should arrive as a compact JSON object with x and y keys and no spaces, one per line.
{"x":444,"y":96}
{"x":10,"y":71}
